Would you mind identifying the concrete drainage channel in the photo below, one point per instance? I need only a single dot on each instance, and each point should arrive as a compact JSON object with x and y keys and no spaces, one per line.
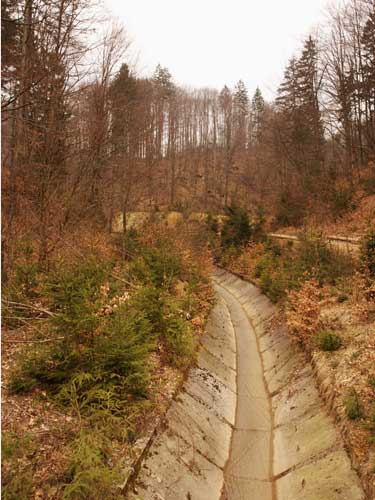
{"x":248,"y":423}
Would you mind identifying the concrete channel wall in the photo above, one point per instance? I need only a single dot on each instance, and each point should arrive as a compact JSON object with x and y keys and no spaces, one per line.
{"x":248,"y":423}
{"x":343,"y":244}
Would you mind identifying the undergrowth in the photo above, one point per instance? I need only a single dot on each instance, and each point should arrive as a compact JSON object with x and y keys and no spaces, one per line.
{"x":353,"y":405}
{"x":16,"y":477}
{"x":100,"y":323}
{"x":279,"y":269}
{"x":328,"y":341}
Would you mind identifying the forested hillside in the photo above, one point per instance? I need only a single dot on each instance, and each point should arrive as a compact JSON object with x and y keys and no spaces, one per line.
{"x":101,"y":325}
{"x":85,"y":136}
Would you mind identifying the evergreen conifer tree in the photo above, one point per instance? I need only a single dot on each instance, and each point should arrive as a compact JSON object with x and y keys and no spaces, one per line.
{"x":226,"y":106}
{"x":240,"y":114}
{"x":257,"y":110}
{"x":302,"y":134}
{"x":368,"y":83}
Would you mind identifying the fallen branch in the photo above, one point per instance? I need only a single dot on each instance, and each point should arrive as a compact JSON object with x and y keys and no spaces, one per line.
{"x":31,"y":341}
{"x":24,"y":320}
{"x":20,"y":305}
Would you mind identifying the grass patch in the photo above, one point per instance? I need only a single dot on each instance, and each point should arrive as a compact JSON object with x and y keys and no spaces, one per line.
{"x":353,"y":406}
{"x":328,"y":341}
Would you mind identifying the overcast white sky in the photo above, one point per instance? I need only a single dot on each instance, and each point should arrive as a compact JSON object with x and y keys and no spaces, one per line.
{"x":216,"y":42}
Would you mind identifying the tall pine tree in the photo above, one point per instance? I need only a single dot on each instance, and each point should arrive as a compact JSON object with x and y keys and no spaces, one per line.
{"x":240,"y":114}
{"x":368,"y":79}
{"x":257,"y":112}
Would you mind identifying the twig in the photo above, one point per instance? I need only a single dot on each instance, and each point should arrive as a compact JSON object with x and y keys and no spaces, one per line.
{"x":25,"y":320}
{"x":116,"y":277}
{"x":30,"y":306}
{"x":31,"y":341}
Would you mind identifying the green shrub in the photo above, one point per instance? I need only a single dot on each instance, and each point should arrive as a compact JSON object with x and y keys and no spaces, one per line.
{"x":179,"y":341}
{"x":368,"y":252}
{"x":228,"y":254}
{"x":369,"y":186}
{"x":112,"y":349}
{"x":18,"y":484}
{"x":342,"y":297}
{"x":26,"y":278}
{"x":258,"y":230}
{"x":16,"y":477}
{"x":328,"y":341}
{"x":158,"y":266}
{"x":22,"y":287}
{"x":212,"y":223}
{"x":322,"y":262}
{"x":283,"y":268}
{"x":15,"y":446}
{"x":313,"y":250}
{"x":49,"y":364}
{"x":273,"y":247}
{"x":274,"y":287}
{"x":98,"y":367}
{"x":90,"y":474}
{"x":113,"y":361}
{"x":264,"y":263}
{"x":149,"y":300}
{"x":20,"y":383}
{"x":290,"y":210}
{"x":121,"y":353}
{"x":236,"y":229}
{"x":277,"y":273}
{"x":353,"y":405}
{"x":23,"y":281}
{"x":74,"y":295}
{"x":342,"y":202}
{"x":102,"y":359}
{"x":372,"y":382}
{"x":272,"y":278}
{"x":130,"y":244}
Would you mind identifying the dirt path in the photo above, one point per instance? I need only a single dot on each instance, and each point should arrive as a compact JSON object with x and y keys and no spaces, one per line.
{"x":249,"y":423}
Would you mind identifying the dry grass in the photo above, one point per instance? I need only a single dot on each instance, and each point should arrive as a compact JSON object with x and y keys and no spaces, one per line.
{"x":349,"y":368}
{"x":352,"y":367}
{"x":357,"y":222}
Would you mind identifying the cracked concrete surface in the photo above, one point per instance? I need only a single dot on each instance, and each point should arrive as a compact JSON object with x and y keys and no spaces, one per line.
{"x":248,"y":423}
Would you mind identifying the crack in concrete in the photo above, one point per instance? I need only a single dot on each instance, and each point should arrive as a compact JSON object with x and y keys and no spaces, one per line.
{"x":247,"y":478}
{"x":190,"y":444}
{"x":201,"y":453}
{"x":308,"y":461}
{"x":210,"y":408}
{"x":314,"y":406}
